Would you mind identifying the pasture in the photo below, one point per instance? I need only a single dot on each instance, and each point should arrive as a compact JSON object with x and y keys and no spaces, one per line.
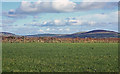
{"x":60,"y":57}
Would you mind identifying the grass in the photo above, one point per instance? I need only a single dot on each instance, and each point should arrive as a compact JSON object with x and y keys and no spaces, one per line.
{"x":60,"y":57}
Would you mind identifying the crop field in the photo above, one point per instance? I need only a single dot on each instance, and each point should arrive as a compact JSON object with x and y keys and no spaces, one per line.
{"x":60,"y":57}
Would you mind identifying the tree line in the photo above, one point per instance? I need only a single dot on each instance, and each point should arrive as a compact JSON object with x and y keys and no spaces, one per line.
{"x":23,"y":39}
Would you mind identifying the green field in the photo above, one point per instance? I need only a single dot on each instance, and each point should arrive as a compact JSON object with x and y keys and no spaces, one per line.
{"x":60,"y":57}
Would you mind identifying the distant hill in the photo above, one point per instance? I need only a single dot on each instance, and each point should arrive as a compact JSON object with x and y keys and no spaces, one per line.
{"x":7,"y":34}
{"x":93,"y":34}
{"x":89,"y":34}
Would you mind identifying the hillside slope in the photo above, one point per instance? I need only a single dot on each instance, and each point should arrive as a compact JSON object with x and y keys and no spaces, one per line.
{"x":93,"y":34}
{"x":89,"y":34}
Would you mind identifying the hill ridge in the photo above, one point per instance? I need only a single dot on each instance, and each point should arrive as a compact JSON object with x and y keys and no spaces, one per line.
{"x":89,"y":34}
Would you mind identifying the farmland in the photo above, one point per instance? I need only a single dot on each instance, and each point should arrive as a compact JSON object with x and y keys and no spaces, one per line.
{"x":60,"y":57}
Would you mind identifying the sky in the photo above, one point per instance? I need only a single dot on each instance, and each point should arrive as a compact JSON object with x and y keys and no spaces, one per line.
{"x":58,"y":17}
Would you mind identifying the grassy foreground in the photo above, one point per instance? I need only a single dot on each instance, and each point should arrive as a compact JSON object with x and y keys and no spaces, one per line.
{"x":60,"y":57}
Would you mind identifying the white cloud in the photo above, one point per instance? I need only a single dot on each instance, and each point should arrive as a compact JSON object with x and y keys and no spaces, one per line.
{"x":75,"y":22}
{"x":56,"y":6}
{"x":41,"y":31}
{"x":89,"y":20}
{"x":60,"y":6}
{"x":44,"y":22}
{"x":48,"y":29}
{"x":39,"y":6}
{"x":60,"y":29}
{"x":28,"y":7}
{"x":64,"y":6}
{"x":57,"y":21}
{"x":13,"y":14}
{"x":12,"y":10}
{"x":67,"y":29}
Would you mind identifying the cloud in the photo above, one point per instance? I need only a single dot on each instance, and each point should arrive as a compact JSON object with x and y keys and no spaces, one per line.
{"x":59,"y":22}
{"x":75,"y":22}
{"x":87,"y":6}
{"x":64,"y":6}
{"x":45,"y":7}
{"x":64,"y":22}
{"x":54,"y":30}
{"x":60,"y":29}
{"x":42,"y":31}
{"x":89,"y":20}
{"x":67,"y":29}
{"x":56,"y":6}
{"x":48,"y":29}
{"x":28,"y":7}
{"x":13,"y":14}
